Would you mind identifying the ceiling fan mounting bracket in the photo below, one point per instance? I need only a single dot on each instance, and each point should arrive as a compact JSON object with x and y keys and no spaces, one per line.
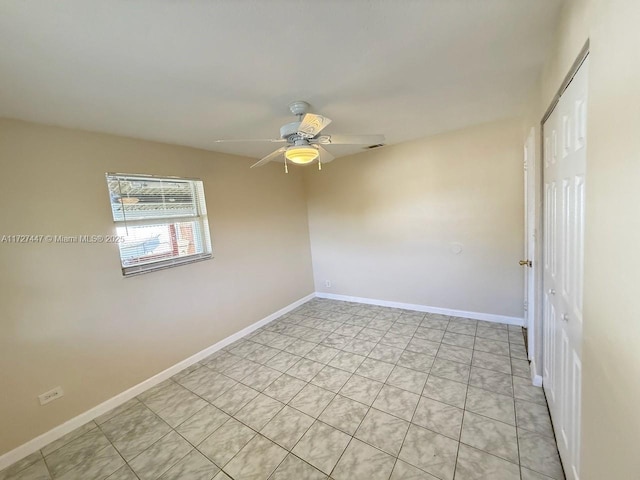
{"x":299,"y":107}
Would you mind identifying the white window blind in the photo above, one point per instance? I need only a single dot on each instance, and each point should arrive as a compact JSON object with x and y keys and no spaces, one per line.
{"x":163,"y":221}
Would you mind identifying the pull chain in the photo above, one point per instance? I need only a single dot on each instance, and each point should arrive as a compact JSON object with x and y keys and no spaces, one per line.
{"x":286,"y":169}
{"x":319,"y":165}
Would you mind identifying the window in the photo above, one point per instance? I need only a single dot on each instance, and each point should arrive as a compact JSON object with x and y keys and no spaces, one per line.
{"x":162,"y":221}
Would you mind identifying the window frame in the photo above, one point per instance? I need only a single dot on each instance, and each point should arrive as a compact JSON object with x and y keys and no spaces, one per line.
{"x":200,"y":217}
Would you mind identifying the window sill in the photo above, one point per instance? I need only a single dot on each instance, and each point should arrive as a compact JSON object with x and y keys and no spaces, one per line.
{"x":163,"y":265}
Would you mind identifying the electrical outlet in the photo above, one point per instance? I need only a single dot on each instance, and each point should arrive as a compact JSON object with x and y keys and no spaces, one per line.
{"x":50,"y":396}
{"x":327,"y":283}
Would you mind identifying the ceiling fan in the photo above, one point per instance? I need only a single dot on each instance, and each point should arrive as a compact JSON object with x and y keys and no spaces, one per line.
{"x":304,"y":141}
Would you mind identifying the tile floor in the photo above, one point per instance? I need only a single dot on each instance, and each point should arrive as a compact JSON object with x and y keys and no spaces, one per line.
{"x":331,"y":390}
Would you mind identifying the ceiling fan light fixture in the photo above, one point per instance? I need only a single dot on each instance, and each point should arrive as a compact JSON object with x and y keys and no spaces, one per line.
{"x":301,"y":154}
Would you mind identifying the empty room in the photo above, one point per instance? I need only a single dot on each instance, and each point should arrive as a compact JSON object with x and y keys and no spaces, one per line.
{"x":306,"y":240}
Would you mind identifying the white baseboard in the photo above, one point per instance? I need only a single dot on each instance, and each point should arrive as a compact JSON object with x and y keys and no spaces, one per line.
{"x":536,"y":378}
{"x":55,"y":433}
{"x":489,"y":317}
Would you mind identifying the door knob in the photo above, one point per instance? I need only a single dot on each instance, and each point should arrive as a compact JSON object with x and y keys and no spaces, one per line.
{"x":565,"y":317}
{"x":528,"y":263}
{"x":552,"y":291}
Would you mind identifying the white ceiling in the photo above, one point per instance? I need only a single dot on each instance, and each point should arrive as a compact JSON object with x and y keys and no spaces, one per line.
{"x":188,"y":72}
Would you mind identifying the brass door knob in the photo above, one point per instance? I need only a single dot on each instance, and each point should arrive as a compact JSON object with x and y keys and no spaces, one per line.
{"x":528,"y":263}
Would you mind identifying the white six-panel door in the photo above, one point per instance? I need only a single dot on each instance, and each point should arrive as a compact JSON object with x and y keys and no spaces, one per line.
{"x":530,"y":239}
{"x":565,"y":143}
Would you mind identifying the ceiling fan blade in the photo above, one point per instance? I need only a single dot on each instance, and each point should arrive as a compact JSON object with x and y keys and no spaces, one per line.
{"x":349,"y":139}
{"x":272,"y":140}
{"x":269,"y":157}
{"x":312,"y":125}
{"x":325,"y":156}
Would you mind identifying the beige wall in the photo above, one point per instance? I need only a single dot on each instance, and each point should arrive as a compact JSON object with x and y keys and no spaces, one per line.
{"x":382,"y":222}
{"x":69,"y":318}
{"x":611,"y":347}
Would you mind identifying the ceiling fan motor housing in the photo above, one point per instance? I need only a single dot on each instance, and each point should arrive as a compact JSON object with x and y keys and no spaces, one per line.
{"x":289,"y":129}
